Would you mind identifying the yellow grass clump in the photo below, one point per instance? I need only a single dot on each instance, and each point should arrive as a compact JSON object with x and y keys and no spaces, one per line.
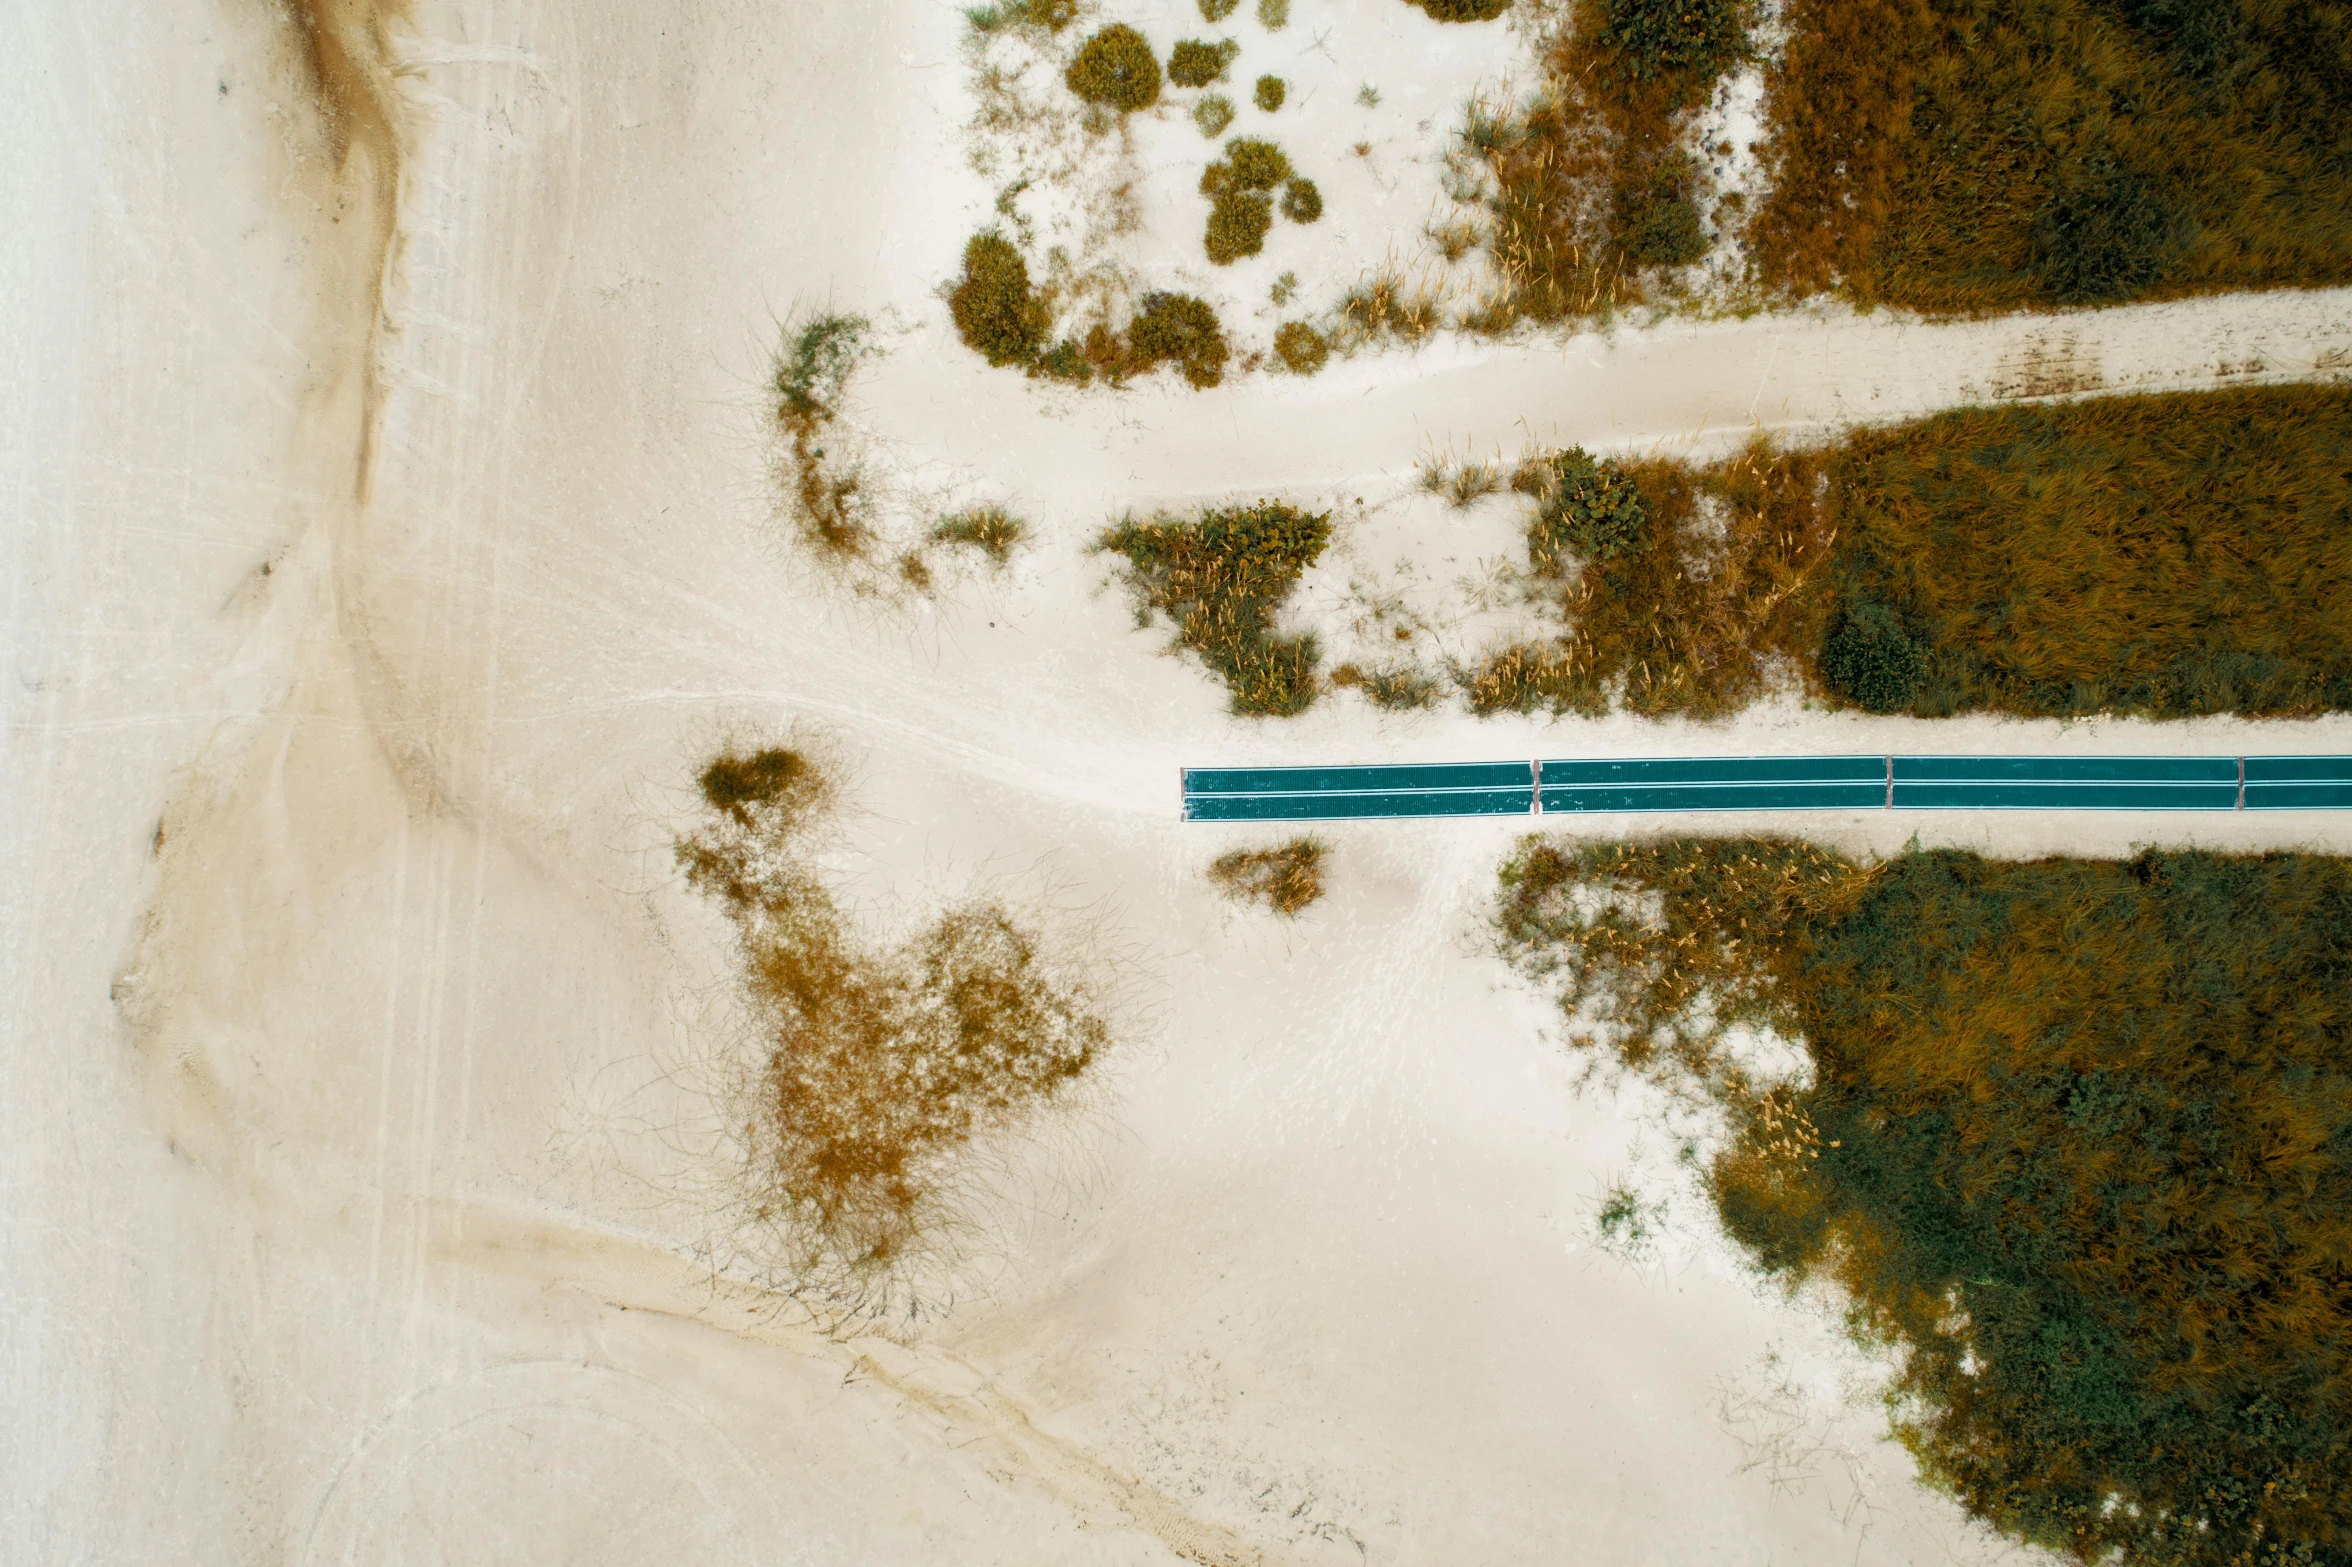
{"x":1285,"y":879}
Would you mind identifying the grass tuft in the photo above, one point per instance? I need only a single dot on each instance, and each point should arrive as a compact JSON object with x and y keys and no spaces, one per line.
{"x":1212,"y":114}
{"x":991,"y":530}
{"x":1285,"y":879}
{"x":1222,"y":578}
{"x":826,"y":490}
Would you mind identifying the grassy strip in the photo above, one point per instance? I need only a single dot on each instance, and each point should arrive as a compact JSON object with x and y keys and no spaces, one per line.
{"x":1221,"y":578}
{"x":881,"y":1066}
{"x":2165,"y":556}
{"x":2077,"y":1140}
{"x":1987,"y":155}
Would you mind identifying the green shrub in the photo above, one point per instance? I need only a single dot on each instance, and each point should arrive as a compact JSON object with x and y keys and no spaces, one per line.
{"x":996,"y":312}
{"x":1183,"y":330}
{"x":1221,"y":579}
{"x":1871,"y":661}
{"x":2106,"y":236}
{"x":1237,"y":226}
{"x":1116,"y":67}
{"x":991,"y":530}
{"x":1685,"y":41}
{"x":1255,"y":164}
{"x":1301,"y":201}
{"x":1212,"y":114}
{"x":1218,"y":10}
{"x":1463,"y":10}
{"x":1657,"y":221}
{"x":1193,"y":63}
{"x":1301,"y":348}
{"x":1590,"y":509}
{"x":1273,"y":15}
{"x":1270,"y":93}
{"x":1400,"y":690}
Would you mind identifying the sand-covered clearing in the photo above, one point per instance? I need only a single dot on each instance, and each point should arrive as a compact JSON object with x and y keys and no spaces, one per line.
{"x":372,"y":599}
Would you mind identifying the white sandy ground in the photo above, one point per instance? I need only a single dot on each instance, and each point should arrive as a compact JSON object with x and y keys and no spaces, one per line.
{"x":354,"y":1200}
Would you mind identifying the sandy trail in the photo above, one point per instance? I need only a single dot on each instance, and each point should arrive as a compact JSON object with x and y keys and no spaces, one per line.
{"x":353,"y":1164}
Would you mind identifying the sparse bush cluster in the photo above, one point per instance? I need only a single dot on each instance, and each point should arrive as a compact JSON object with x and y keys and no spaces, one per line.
{"x":878,"y":1067}
{"x":1240,"y":188}
{"x":1001,"y":316}
{"x":2076,"y":1140}
{"x":1285,"y":879}
{"x":1222,"y":578}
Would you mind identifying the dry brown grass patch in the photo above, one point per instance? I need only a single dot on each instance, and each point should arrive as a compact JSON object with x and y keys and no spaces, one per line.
{"x":1285,"y":879}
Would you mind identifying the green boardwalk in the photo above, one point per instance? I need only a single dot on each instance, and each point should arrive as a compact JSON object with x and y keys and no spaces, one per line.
{"x":1771,"y":783}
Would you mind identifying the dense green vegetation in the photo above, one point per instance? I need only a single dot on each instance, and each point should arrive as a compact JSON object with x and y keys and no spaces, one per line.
{"x":1976,"y":155}
{"x":2076,"y":1142}
{"x":2165,"y":556}
{"x":1222,"y":577}
{"x":1270,"y":93}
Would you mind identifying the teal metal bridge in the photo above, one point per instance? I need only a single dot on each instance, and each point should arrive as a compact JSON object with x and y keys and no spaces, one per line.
{"x":1771,"y":783}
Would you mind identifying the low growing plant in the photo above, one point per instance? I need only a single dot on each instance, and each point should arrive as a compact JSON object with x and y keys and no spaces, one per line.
{"x":1285,"y":879}
{"x":1212,"y":113}
{"x":1194,"y":63}
{"x":1182,"y":330}
{"x":1462,"y":10}
{"x":991,"y":530}
{"x":1116,"y":67}
{"x":1271,"y":90}
{"x":1221,"y":578}
{"x":1301,"y":201}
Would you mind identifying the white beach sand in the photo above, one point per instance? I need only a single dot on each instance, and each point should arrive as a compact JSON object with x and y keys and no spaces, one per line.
{"x":372,"y":601}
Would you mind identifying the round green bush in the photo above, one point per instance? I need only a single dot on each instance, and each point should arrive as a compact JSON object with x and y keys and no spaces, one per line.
{"x":1116,"y":67}
{"x":1238,"y":225}
{"x":1193,"y":63}
{"x":1301,"y":201}
{"x":1590,"y":509}
{"x":1870,"y":660}
{"x":995,"y":311}
{"x":1463,"y":10}
{"x":1218,"y":10}
{"x":1182,"y":329}
{"x":1301,"y":348}
{"x":1270,"y":93}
